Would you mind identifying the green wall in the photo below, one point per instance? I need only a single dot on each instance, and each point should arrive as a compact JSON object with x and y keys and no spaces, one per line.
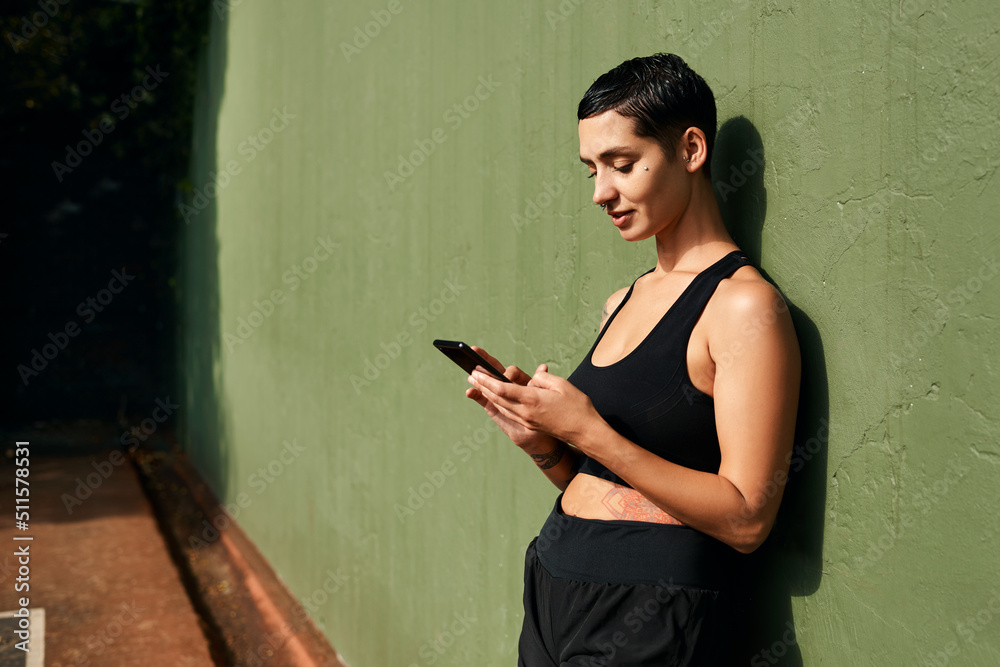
{"x":313,"y":284}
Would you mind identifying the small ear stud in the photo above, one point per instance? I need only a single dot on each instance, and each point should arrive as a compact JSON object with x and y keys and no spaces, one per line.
{"x":645,"y":168}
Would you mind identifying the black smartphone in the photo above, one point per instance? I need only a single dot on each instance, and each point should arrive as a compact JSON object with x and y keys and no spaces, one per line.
{"x":467,"y":358}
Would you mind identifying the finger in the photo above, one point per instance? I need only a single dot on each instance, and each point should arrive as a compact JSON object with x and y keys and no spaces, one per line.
{"x":484,"y":354}
{"x":512,"y":373}
{"x":490,"y":409}
{"x":543,"y":379}
{"x":541,"y":369}
{"x":511,"y":400}
{"x":482,"y":380}
{"x":515,"y":374}
{"x":510,"y":415}
{"x":501,"y":394}
{"x":477,"y":396}
{"x":479,"y":381}
{"x":487,"y":356}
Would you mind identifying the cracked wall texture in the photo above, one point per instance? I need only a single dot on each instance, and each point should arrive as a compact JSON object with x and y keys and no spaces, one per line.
{"x":314,"y":284}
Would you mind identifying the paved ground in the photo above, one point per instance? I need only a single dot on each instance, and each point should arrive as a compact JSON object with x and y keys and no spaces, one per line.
{"x":98,"y":567}
{"x":103,"y":563}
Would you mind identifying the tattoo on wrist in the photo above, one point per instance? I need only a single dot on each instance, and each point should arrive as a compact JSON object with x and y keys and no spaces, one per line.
{"x":546,"y":461}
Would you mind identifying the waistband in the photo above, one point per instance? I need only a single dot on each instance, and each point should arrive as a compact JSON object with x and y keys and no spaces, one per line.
{"x":633,"y":552}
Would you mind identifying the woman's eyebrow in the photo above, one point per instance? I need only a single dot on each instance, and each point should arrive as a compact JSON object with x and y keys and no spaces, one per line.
{"x":612,"y":152}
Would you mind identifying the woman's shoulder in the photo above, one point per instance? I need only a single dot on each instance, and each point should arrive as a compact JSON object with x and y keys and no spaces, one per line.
{"x":746,"y":292}
{"x":744,"y":306}
{"x":615,"y":299}
{"x":611,"y":304}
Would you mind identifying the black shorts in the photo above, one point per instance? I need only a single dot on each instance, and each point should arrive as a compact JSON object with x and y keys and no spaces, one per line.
{"x":628,"y":593}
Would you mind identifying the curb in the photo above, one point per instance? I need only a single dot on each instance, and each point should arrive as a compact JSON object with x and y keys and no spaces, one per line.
{"x":251,"y":619}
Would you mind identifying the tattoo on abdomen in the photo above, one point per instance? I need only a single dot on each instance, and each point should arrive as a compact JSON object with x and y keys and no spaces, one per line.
{"x":629,"y":504}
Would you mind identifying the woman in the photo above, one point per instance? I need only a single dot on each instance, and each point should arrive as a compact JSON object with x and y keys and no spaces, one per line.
{"x":670,"y":442}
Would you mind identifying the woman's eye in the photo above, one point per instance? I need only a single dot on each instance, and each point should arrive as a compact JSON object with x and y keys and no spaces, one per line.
{"x":623,"y":169}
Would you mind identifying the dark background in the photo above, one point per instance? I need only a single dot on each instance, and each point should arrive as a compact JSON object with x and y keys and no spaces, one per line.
{"x":62,"y":68}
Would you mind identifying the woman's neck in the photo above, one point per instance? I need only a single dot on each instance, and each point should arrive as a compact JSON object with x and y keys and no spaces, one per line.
{"x":698,"y":239}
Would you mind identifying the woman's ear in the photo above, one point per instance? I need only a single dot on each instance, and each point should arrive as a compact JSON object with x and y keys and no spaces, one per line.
{"x":694,"y":149}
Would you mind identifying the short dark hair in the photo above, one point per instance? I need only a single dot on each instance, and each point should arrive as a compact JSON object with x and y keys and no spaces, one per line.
{"x":661,"y":94}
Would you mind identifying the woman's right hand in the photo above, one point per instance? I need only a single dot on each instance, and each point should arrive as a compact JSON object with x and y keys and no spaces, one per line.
{"x":523,"y":437}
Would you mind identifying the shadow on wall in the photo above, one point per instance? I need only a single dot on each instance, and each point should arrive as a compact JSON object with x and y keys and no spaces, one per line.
{"x":790,"y":562}
{"x":204,"y":434}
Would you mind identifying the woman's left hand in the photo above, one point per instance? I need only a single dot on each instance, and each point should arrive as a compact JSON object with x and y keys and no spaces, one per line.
{"x":548,"y":403}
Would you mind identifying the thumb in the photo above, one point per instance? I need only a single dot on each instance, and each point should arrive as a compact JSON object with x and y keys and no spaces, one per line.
{"x":543,"y":379}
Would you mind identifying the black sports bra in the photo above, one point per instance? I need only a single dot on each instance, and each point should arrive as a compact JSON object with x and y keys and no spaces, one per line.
{"x":648,"y":396}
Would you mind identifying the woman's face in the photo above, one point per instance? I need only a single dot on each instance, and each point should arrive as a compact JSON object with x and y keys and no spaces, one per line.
{"x":643,"y":191}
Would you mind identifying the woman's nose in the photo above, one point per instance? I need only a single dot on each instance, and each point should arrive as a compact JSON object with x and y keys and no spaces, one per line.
{"x":603,"y":189}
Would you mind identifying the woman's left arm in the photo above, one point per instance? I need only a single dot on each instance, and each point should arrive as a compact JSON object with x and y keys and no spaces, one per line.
{"x":757,"y":369}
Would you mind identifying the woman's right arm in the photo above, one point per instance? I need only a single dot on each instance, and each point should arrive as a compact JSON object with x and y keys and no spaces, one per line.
{"x":557,"y":460}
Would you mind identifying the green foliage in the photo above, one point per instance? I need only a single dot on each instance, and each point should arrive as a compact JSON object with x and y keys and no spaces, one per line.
{"x":62,"y":66}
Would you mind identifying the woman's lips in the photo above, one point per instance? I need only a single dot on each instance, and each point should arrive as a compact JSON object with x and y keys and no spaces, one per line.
{"x":619,"y":218}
